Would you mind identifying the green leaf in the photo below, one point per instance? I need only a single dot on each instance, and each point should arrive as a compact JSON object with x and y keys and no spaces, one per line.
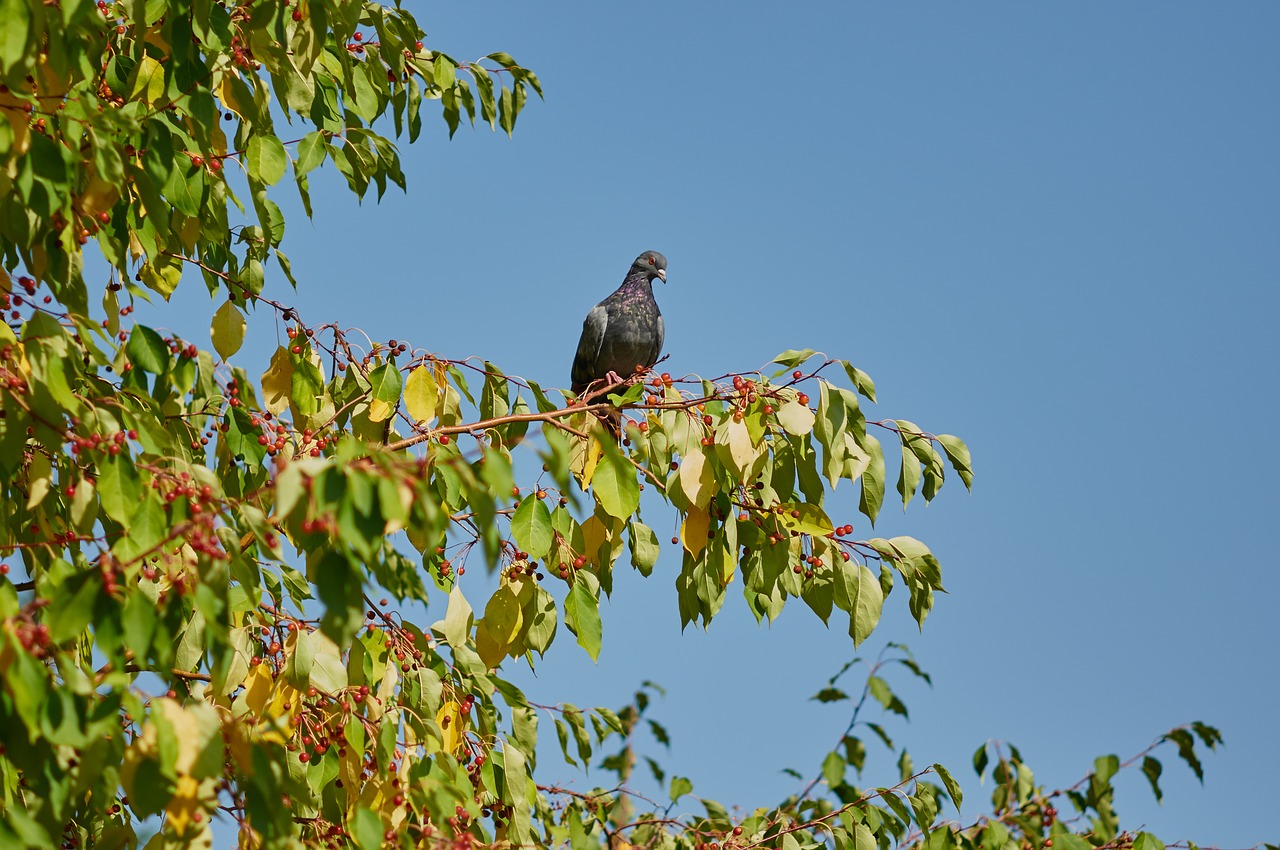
{"x":267,"y":160}
{"x":866,"y":610}
{"x":644,"y":546}
{"x":1151,"y":768}
{"x":582,"y":616}
{"x":958,"y":454}
{"x":1187,"y":750}
{"x":833,"y":767}
{"x":679,"y":787}
{"x":119,"y":487}
{"x":367,"y":829}
{"x":147,"y":350}
{"x":531,"y":526}
{"x":979,"y":759}
{"x":311,"y":152}
{"x":1147,"y":841}
{"x":884,"y":695}
{"x":953,"y":787}
{"x":830,"y":695}
{"x":792,"y":358}
{"x":16,"y":20}
{"x":861,"y":380}
{"x":384,"y":387}
{"x":615,"y":485}
{"x":227,"y":330}
{"x":909,"y":476}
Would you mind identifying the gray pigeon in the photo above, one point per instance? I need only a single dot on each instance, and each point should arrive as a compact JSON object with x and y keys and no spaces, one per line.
{"x":624,"y":331}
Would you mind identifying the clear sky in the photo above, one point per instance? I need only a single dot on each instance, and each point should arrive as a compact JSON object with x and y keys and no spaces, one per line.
{"x":1052,"y":229}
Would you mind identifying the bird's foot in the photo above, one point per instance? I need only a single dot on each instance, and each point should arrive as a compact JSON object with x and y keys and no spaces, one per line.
{"x":613,"y":379}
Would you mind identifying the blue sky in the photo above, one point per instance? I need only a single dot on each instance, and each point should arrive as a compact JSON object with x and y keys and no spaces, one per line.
{"x":1050,"y":229}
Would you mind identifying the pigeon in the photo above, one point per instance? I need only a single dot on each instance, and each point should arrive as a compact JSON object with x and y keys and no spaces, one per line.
{"x":623,"y":333}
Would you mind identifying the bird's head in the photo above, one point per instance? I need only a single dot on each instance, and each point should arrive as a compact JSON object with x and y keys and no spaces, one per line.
{"x":652,"y":264}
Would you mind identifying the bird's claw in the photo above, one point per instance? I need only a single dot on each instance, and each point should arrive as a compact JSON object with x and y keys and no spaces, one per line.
{"x":613,"y":379}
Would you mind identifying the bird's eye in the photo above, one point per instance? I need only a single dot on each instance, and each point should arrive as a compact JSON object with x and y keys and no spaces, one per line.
{"x":651,"y":261}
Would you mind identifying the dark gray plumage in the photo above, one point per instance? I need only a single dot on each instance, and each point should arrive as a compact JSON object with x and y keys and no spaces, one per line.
{"x":624,"y":330}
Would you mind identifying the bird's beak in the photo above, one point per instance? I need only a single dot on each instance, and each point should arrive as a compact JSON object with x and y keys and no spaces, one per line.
{"x":662,"y":273}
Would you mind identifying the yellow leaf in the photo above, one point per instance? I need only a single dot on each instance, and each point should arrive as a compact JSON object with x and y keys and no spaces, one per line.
{"x":594,"y":535}
{"x":421,"y":395}
{"x":693,"y":532}
{"x":277,"y":382}
{"x":184,"y":803}
{"x":449,"y":719}
{"x":379,"y":410}
{"x":257,"y":689}
{"x":594,"y":451}
{"x":286,"y":704}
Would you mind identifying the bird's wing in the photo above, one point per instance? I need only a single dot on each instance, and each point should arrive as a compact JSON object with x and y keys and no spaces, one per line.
{"x":657,"y":343}
{"x":588,"y":355}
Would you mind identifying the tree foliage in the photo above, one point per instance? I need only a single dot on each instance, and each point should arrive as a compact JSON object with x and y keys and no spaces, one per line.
{"x":189,"y":625}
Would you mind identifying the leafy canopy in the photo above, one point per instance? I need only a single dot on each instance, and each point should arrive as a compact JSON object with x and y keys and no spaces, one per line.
{"x":189,"y":630}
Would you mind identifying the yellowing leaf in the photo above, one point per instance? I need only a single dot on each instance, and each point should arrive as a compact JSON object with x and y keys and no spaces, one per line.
{"x":490,"y":650}
{"x":697,"y":478}
{"x":456,"y":625}
{"x":39,"y":482}
{"x":503,"y":616}
{"x":277,"y":382}
{"x":227,"y":330}
{"x":449,"y":719}
{"x":421,"y":395}
{"x":733,"y":446}
{"x":161,"y":277}
{"x":693,"y":532}
{"x":196,"y":727}
{"x":805,"y":519}
{"x":379,"y":410}
{"x":148,"y":83}
{"x":796,"y":418}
